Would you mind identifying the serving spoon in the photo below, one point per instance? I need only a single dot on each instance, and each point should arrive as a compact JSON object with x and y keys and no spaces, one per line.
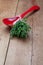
{"x":13,"y":20}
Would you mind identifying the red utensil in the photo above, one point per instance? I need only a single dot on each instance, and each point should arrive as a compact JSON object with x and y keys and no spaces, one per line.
{"x":12,"y":21}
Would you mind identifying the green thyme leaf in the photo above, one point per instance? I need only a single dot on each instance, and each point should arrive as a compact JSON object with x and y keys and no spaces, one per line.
{"x":20,"y":29}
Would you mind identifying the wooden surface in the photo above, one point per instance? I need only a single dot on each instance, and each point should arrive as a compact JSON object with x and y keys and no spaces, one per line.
{"x":37,"y":58}
{"x":5,"y":11}
{"x":17,"y":51}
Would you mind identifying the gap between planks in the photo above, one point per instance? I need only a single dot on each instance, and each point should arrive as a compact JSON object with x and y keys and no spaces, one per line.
{"x":10,"y":38}
{"x":28,"y":46}
{"x":5,"y":11}
{"x":34,"y":2}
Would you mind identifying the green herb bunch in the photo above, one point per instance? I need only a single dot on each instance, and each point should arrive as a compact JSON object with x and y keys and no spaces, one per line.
{"x":20,"y":29}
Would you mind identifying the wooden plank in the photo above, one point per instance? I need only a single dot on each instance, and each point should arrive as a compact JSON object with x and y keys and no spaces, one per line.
{"x":37,"y":58}
{"x":19,"y":52}
{"x":6,"y":7}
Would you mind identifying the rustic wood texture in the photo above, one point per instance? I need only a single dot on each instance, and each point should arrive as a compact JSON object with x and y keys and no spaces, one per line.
{"x":19,"y":52}
{"x":5,"y":11}
{"x":37,"y":58}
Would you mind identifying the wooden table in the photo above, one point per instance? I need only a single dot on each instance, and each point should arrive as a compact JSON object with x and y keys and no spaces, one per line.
{"x":19,"y":52}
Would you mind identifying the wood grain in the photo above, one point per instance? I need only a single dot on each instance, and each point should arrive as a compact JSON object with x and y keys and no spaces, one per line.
{"x":7,"y":9}
{"x":20,"y":50}
{"x":37,"y":58}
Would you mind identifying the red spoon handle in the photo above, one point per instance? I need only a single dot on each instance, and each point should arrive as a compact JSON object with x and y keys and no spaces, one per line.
{"x":33,"y":8}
